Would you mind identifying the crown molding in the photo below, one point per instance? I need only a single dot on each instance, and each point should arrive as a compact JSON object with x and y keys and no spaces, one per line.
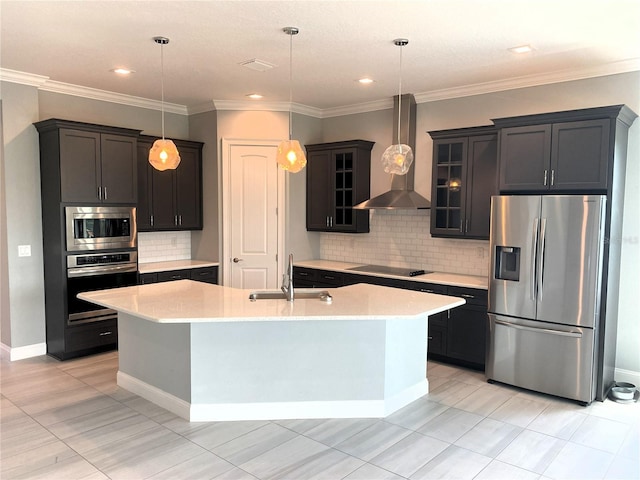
{"x":95,"y":94}
{"x":45,"y":84}
{"x":14,"y":76}
{"x":358,"y":108}
{"x":252,"y":105}
{"x":626,"y":66}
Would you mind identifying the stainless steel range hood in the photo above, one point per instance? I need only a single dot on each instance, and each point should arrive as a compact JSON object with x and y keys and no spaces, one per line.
{"x":401,"y":195}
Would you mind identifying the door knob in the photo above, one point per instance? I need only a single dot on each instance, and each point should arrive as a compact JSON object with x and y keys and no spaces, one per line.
{"x":237,"y":260}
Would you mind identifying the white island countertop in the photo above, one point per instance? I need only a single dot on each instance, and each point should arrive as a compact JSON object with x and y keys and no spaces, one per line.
{"x":186,"y":301}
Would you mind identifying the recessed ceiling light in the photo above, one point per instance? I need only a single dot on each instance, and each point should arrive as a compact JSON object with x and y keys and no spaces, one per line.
{"x":366,"y":80}
{"x":521,"y":49}
{"x":122,"y":71}
{"x":254,"y":96}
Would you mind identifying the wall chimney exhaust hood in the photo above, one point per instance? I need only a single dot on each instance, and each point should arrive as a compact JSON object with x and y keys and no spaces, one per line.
{"x":401,"y":195}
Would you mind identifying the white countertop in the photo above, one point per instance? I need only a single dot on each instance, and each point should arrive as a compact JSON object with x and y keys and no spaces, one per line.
{"x":186,"y":301}
{"x":153,"y":267}
{"x":453,"y":279}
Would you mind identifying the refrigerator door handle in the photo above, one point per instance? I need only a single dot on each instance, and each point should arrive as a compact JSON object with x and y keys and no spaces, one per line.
{"x":534,"y":249}
{"x":539,"y":330}
{"x":540,"y":274}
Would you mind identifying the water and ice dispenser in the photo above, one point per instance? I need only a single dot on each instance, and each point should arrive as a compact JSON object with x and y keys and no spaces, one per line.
{"x":507,"y":263}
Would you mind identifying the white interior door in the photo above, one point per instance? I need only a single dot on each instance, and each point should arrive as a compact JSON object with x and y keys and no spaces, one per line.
{"x":251,"y":205}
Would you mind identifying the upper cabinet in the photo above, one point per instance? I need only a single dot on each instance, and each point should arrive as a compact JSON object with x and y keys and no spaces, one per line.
{"x":89,"y":163}
{"x":463,"y":180}
{"x":171,"y":199}
{"x":338,"y":177}
{"x":564,"y":152}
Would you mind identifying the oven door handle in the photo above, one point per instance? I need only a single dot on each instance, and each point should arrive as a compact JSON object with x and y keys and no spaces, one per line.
{"x":93,"y":271}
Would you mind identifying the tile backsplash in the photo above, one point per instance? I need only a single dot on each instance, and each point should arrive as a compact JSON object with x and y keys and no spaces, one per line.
{"x":401,"y":238}
{"x":163,"y":246}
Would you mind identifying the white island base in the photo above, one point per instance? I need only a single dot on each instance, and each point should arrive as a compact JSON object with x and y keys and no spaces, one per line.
{"x":273,"y":359}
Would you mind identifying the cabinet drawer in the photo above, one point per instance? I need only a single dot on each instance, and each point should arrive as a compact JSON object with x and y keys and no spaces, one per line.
{"x":333,"y":279}
{"x":174,"y":275}
{"x":427,"y":287}
{"x":145,"y":278}
{"x":473,"y":296}
{"x":305,"y":274}
{"x":80,"y":337}
{"x":205,"y":274}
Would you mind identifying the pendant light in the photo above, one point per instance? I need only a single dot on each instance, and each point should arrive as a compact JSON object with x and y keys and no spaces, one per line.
{"x":164,"y":153}
{"x":290,"y":154}
{"x":398,"y":158}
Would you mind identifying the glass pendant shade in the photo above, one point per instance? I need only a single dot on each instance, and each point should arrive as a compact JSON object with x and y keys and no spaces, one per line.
{"x":397,"y":159}
{"x":290,"y":156}
{"x":164,"y":155}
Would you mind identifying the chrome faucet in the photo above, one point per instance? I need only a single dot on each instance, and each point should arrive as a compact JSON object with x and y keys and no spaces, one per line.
{"x":287,"y":280}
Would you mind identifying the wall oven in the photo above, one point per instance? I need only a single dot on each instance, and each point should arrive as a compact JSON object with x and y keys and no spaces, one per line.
{"x":97,"y":271}
{"x":100,"y":228}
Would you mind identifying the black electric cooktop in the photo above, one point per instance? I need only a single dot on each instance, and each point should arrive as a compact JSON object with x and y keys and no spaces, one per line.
{"x":399,"y":271}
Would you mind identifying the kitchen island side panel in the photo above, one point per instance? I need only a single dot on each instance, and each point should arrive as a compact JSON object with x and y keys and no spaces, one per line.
{"x":405,"y":354}
{"x":270,"y":362}
{"x":155,"y":354}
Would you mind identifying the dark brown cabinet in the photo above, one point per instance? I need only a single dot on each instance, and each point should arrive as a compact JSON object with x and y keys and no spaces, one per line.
{"x":456,"y":336}
{"x":338,"y":177}
{"x":199,"y":274}
{"x":94,"y":164}
{"x":463,"y":180}
{"x":563,"y":152}
{"x":171,"y":199}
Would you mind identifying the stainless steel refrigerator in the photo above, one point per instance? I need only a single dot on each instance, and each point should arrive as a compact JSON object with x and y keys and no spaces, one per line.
{"x":545,"y":285}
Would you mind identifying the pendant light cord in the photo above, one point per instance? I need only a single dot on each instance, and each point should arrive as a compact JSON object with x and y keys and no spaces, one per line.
{"x":400,"y":96}
{"x":290,"y":84}
{"x":162,"y":85}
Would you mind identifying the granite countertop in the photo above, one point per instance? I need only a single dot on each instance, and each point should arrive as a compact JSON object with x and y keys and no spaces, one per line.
{"x":187,"y":301}
{"x":453,"y":279}
{"x":153,"y":267}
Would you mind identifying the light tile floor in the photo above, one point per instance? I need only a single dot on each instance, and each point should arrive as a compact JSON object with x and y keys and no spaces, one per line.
{"x":69,"y":420}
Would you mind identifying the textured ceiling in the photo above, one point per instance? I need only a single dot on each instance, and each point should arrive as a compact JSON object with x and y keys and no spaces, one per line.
{"x":453,"y":44}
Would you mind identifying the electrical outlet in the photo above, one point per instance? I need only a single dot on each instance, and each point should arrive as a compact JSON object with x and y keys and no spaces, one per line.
{"x":24,"y":250}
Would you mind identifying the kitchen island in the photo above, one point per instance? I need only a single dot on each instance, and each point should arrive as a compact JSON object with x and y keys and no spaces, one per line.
{"x":208,"y":353}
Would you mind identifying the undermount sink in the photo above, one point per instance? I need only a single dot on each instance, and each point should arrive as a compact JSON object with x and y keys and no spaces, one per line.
{"x":301,"y":293}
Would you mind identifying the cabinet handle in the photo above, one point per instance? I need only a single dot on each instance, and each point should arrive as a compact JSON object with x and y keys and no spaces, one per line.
{"x":302,"y":274}
{"x":331,"y":222}
{"x":99,"y":193}
{"x":175,"y":219}
{"x":461,"y":230}
{"x":553,"y":176}
{"x":427,"y":290}
{"x":466,"y":225}
{"x":329,"y":277}
{"x":104,"y":334}
{"x":176,"y":277}
{"x":464,"y":295}
{"x":105,"y":193}
{"x":429,"y":338}
{"x":151,"y":217}
{"x":327,"y":220}
{"x":180,"y":220}
{"x":545,"y":177}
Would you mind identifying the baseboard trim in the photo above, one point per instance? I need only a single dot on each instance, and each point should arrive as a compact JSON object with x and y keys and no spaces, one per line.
{"x":272,"y":410}
{"x":628,"y":376}
{"x":28,"y":351}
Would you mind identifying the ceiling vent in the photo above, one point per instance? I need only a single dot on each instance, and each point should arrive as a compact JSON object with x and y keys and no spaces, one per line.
{"x":258,"y":65}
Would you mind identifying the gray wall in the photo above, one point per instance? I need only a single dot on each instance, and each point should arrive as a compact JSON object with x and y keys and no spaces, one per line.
{"x":5,"y":324}
{"x":203,"y":127}
{"x":25,"y":280}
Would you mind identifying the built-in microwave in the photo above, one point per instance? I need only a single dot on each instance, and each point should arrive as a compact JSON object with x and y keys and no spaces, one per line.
{"x":100,"y":228}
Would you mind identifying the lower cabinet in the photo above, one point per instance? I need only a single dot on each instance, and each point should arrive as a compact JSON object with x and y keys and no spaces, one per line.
{"x":92,"y":335}
{"x":201,"y":274}
{"x":455,"y":336}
